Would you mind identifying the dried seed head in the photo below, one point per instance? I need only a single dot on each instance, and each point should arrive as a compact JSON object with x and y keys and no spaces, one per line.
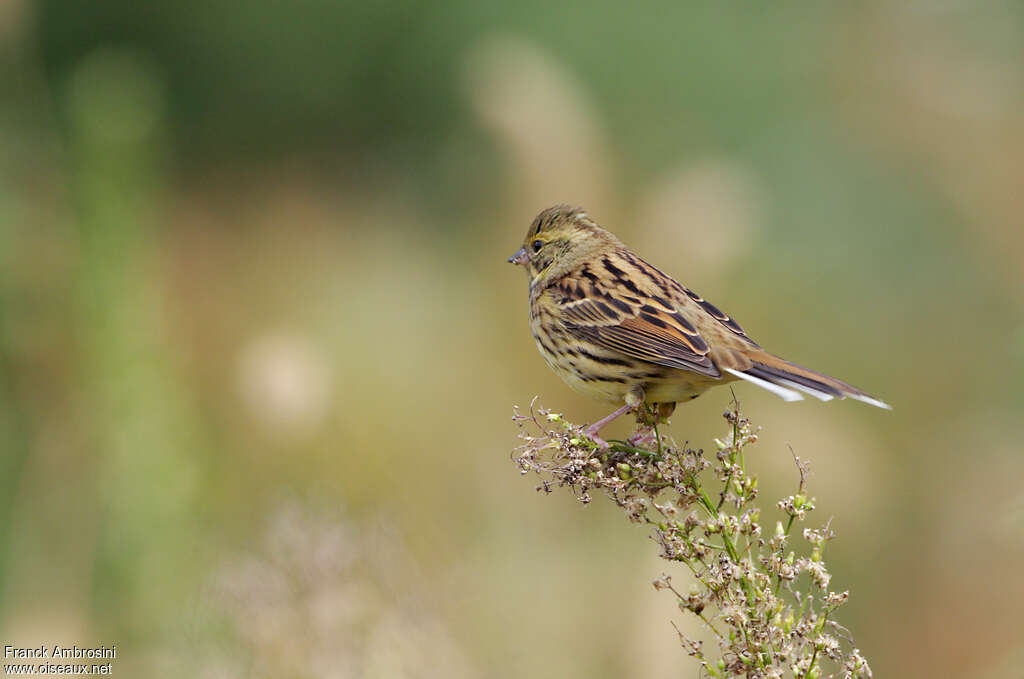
{"x":744,"y":585}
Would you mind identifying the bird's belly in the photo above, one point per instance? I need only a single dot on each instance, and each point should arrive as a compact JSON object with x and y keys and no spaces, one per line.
{"x":584,"y":376}
{"x":678,"y":386}
{"x":588,"y":371}
{"x":660,"y":385}
{"x":595,"y":388}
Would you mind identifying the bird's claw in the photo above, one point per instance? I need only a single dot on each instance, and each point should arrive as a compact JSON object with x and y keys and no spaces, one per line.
{"x":592,"y":435}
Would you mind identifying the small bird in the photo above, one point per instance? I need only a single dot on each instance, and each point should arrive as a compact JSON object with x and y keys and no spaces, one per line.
{"x":618,"y":329}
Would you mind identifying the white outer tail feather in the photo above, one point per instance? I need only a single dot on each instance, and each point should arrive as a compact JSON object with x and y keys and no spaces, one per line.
{"x":871,"y":401}
{"x":820,"y":395}
{"x":781,"y":392}
{"x":787,"y":394}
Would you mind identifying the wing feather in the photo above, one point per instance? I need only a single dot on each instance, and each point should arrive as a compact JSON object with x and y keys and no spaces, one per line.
{"x":648,"y":327}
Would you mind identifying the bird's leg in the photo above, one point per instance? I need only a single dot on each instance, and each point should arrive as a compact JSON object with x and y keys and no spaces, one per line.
{"x":591,"y":431}
{"x":633,"y":399}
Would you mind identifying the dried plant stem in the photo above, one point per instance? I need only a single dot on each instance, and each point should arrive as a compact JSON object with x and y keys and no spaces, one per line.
{"x":743,"y":587}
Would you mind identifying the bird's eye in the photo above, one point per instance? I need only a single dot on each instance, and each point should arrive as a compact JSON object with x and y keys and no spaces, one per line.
{"x":537,"y":245}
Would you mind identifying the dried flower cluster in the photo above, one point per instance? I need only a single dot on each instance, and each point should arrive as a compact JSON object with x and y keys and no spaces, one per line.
{"x":766,"y":601}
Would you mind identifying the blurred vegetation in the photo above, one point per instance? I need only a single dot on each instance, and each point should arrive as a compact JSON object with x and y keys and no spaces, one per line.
{"x":253,"y":257}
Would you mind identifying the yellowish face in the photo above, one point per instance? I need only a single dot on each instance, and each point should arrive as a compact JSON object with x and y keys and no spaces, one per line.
{"x":551,"y":239}
{"x":535,"y":255}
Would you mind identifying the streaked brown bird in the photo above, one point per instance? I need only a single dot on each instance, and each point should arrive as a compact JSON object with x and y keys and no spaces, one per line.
{"x":618,"y":329}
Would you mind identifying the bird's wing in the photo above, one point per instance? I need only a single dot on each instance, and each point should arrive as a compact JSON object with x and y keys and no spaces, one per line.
{"x":608,"y":304}
{"x":716,"y":313}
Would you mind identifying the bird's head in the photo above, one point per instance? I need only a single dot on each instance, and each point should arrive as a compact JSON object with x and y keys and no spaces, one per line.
{"x":558,"y":240}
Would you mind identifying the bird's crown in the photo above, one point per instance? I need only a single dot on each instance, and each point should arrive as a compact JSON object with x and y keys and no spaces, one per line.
{"x":556,"y":217}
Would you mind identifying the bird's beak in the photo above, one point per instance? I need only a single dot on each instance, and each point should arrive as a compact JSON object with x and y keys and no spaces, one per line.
{"x":520,"y":258}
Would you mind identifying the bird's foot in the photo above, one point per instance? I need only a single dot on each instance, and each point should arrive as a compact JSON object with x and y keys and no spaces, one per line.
{"x":591,"y":433}
{"x":642,"y":437}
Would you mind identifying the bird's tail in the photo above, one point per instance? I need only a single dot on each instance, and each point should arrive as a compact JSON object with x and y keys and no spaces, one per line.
{"x":791,"y":381}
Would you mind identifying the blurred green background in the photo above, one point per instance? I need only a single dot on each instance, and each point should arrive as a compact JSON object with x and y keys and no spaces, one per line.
{"x":259,"y":345}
